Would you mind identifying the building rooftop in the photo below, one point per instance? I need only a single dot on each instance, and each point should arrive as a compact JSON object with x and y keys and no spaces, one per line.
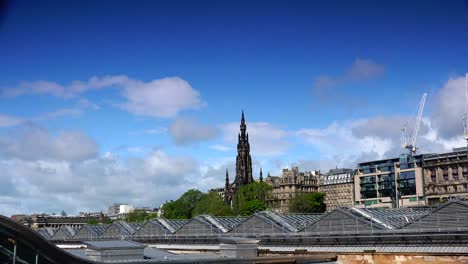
{"x":451,"y":214}
{"x":394,"y":218}
{"x":113,"y":244}
{"x":340,"y":171}
{"x":462,"y":151}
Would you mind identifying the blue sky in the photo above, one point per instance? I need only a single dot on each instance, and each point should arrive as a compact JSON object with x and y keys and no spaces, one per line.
{"x":150,"y":93}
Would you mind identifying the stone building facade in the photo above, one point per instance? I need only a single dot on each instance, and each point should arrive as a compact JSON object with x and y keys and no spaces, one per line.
{"x":446,"y":175}
{"x":43,"y":220}
{"x":289,"y":184}
{"x":338,"y":186}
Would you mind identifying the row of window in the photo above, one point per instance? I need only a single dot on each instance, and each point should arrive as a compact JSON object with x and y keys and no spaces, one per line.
{"x":445,"y":171}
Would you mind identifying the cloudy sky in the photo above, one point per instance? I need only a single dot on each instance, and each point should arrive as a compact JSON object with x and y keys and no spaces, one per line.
{"x":104,"y":102}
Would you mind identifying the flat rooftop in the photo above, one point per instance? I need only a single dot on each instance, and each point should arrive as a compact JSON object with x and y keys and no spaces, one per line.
{"x":113,"y":244}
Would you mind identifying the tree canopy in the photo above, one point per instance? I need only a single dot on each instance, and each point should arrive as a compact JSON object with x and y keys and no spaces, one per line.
{"x":212,"y":204}
{"x":307,"y":203}
{"x":182,"y":208}
{"x":138,"y":216}
{"x":255,"y":191}
{"x":92,"y":222}
{"x":250,"y":207}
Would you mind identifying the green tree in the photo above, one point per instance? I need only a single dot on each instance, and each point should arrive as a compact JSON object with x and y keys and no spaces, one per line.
{"x":182,"y":208}
{"x":259,"y":191}
{"x":139,"y":216}
{"x":63,"y":213}
{"x":135,"y":216}
{"x":212,"y":204}
{"x":307,"y":203}
{"x":92,"y":222}
{"x":250,"y":207}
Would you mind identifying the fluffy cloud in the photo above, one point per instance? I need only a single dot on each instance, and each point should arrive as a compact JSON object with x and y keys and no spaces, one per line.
{"x":220,"y":147}
{"x":30,"y":142}
{"x":364,"y":69}
{"x":265,"y":139}
{"x":276,"y":166}
{"x":389,"y":127}
{"x":214,"y":172}
{"x":9,"y":121}
{"x":337,"y":142}
{"x":74,"y":89}
{"x":333,"y":89}
{"x":161,"y":98}
{"x":361,"y":69}
{"x":66,"y":112}
{"x":184,"y":131}
{"x":94,"y":184}
{"x":449,"y":108}
{"x":86,"y":104}
{"x":158,"y":98}
{"x":350,"y":142}
{"x":38,"y":167}
{"x":153,"y":131}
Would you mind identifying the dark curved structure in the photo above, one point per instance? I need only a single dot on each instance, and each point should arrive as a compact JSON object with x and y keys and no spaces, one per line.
{"x":24,"y":246}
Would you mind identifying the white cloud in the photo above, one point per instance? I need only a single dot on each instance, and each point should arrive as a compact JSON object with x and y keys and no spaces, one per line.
{"x":86,"y":104}
{"x":333,"y":89}
{"x":382,"y":126}
{"x":30,"y":142}
{"x":184,"y":131}
{"x":220,"y":147}
{"x":161,"y":98}
{"x":74,"y":89}
{"x":449,"y":108}
{"x":94,"y":184}
{"x":130,"y":149}
{"x":66,"y":112}
{"x":347,"y":143}
{"x":82,"y":104}
{"x":276,"y":166}
{"x":153,"y":131}
{"x":265,"y":139}
{"x":352,"y":141}
{"x":364,"y":69}
{"x":361,"y":69}
{"x":337,"y":141}
{"x":9,"y":121}
{"x":214,"y":172}
{"x":164,"y":97}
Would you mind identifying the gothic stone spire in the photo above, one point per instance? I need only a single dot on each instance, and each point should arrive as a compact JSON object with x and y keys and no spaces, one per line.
{"x":227,"y":189}
{"x":227,"y":178}
{"x":243,"y":160}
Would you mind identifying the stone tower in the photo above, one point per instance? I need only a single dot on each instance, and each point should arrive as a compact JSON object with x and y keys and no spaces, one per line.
{"x":243,"y":160}
{"x":227,"y":189}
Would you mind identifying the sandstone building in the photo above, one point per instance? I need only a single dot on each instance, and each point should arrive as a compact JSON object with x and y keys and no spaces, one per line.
{"x":446,"y":175}
{"x":289,"y":184}
{"x":338,"y":186}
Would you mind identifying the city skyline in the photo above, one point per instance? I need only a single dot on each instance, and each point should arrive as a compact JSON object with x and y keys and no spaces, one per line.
{"x":104,"y":102}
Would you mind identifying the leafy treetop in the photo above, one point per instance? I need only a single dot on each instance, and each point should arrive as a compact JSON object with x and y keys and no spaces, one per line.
{"x":307,"y":203}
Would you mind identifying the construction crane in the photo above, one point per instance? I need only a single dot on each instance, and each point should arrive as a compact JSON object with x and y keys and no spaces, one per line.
{"x":465,"y":116}
{"x":411,"y":146}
